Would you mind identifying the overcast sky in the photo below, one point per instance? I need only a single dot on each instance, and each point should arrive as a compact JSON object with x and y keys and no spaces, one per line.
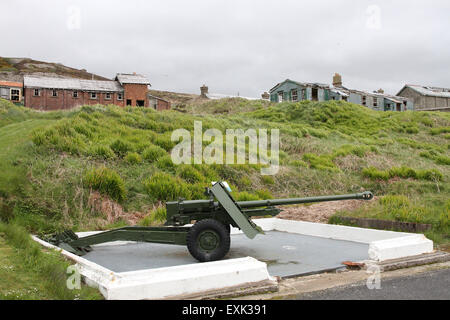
{"x":238,"y":46}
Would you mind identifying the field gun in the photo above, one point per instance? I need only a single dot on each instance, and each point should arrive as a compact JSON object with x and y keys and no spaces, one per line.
{"x":208,"y":238}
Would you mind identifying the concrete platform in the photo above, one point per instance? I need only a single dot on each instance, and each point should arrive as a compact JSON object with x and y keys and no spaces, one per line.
{"x":286,"y":254}
{"x":128,"y":270}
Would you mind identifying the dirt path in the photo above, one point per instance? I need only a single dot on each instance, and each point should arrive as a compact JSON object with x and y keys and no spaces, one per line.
{"x":318,"y":212}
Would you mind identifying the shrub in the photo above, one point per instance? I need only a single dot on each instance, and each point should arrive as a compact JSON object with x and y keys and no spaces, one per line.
{"x":320,"y":162}
{"x":431,"y":175}
{"x":133,"y":158}
{"x":153,"y":153}
{"x":246,"y":196}
{"x":189,"y":173}
{"x":403,"y":172}
{"x":156,"y":216}
{"x":359,"y":151}
{"x":374,"y":173}
{"x":264,"y":194}
{"x":164,"y":142}
{"x":164,"y":187}
{"x":436,"y":131}
{"x":245,"y":182}
{"x":120,"y":147}
{"x":165,"y":163}
{"x":101,"y":151}
{"x":267,"y":179}
{"x":443,"y":160}
{"x":298,"y":163}
{"x":106,"y":181}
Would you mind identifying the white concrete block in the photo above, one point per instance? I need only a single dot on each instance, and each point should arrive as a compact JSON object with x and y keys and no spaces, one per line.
{"x":333,"y":231}
{"x":411,"y":245}
{"x":173,"y":281}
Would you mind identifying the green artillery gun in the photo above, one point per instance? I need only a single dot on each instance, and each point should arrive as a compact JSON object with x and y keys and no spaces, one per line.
{"x":208,"y":239}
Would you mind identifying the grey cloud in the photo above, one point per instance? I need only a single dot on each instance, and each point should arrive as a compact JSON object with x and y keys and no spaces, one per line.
{"x":239,"y":46}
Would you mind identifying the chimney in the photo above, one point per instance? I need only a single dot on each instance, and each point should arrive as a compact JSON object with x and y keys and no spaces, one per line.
{"x":265,"y":96}
{"x":203,"y":91}
{"x":380,"y":91}
{"x":337,"y":80}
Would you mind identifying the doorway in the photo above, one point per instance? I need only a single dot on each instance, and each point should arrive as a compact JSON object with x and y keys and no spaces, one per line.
{"x":314,"y":94}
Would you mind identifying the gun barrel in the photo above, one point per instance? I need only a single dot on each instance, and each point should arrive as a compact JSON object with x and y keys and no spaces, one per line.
{"x":366,"y":195}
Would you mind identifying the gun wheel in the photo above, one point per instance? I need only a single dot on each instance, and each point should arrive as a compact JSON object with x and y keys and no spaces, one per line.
{"x":208,"y":240}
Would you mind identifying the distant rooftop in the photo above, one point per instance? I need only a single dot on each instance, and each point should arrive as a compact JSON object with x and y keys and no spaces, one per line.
{"x":216,"y":96}
{"x":71,"y":83}
{"x":429,"y":91}
{"x":133,"y":78}
{"x":11,"y":84}
{"x":305,"y":84}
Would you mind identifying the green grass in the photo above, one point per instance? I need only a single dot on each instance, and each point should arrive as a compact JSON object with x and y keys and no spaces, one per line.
{"x":27,"y":272}
{"x":402,"y":208}
{"x":326,"y":148}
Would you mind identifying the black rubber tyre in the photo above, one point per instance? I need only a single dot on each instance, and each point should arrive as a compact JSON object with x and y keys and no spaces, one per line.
{"x":208,"y":240}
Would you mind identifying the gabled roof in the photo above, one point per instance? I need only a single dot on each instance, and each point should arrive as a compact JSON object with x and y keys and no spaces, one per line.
{"x":428,"y":91}
{"x":11,"y":84}
{"x":303,"y":84}
{"x":71,"y":84}
{"x":152,"y":96}
{"x":132,"y":78}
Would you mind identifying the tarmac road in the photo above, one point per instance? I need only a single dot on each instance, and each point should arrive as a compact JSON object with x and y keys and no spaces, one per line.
{"x":433,"y":285}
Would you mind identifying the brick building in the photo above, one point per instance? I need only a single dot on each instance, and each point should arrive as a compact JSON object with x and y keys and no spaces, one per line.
{"x":158,"y":103}
{"x":12,"y":91}
{"x":135,"y":88}
{"x":47,"y":93}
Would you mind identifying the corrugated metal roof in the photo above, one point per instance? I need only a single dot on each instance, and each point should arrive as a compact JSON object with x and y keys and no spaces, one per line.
{"x":152,"y":96}
{"x":11,"y":84}
{"x":430,"y":91}
{"x":132,"y":78}
{"x":303,"y":84}
{"x":72,"y":84}
{"x":340,"y":91}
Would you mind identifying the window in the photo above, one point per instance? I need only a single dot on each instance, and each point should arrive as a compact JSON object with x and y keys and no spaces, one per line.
{"x":108,"y":96}
{"x":344,"y":98}
{"x":280,"y":96}
{"x":54,"y":93}
{"x":128,"y":102}
{"x":294,"y":95}
{"x":75,"y":94}
{"x":375,"y":102}
{"x":140,"y":103}
{"x":93,"y":95}
{"x":304,"y":94}
{"x":36,"y":93}
{"x":363,"y":100}
{"x":15,"y":95}
{"x":119,"y":96}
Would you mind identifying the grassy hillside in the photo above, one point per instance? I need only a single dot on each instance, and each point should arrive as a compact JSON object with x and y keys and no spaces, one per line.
{"x":102,"y":166}
{"x":14,"y":68}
